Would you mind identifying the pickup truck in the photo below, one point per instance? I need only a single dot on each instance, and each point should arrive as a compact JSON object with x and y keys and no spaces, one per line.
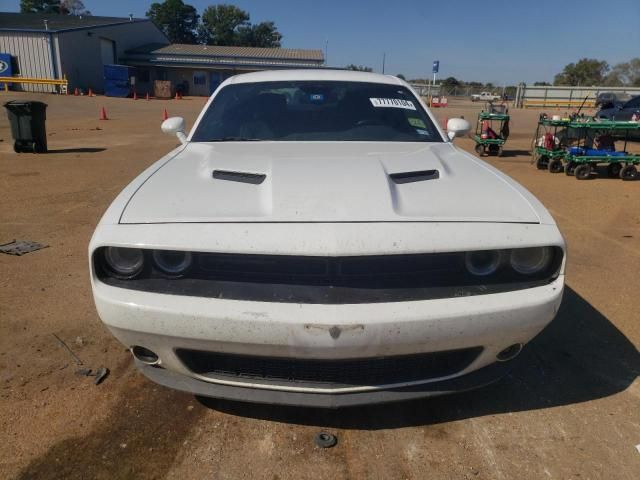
{"x":484,"y":96}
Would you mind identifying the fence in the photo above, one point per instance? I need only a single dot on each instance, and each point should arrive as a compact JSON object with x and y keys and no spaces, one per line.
{"x":425,"y":89}
{"x":528,"y":96}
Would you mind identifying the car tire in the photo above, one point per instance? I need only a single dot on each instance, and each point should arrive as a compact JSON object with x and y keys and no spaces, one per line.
{"x":555,"y":166}
{"x":542,"y":163}
{"x":583,"y":171}
{"x":17,"y":147}
{"x":629,"y":172}
{"x":613,"y":170}
{"x":570,"y":169}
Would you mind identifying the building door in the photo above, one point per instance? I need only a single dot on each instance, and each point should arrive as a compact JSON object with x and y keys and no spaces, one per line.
{"x":215,"y":79}
{"x":199,"y":83}
{"x":108,"y":51}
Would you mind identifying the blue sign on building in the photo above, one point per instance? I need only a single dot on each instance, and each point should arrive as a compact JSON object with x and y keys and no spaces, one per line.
{"x":436,"y":66}
{"x":5,"y":67}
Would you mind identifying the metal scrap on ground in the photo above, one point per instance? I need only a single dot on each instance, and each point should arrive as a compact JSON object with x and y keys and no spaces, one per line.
{"x":100,"y":374}
{"x":20,"y":247}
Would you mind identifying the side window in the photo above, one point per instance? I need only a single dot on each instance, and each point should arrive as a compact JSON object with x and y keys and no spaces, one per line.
{"x":633,"y":103}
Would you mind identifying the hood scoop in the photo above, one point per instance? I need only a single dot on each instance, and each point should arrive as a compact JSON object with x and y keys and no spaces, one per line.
{"x":242,"y":177}
{"x":418,"y":176}
{"x":325,"y":182}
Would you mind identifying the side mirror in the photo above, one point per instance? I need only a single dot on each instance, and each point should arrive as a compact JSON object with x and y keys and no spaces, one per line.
{"x":175,"y":126}
{"x":457,"y":127}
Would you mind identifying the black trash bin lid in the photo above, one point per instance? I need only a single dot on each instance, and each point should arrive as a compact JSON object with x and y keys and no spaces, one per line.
{"x":25,"y":104}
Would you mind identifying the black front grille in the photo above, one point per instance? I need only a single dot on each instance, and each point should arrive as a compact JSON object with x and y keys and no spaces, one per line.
{"x":328,"y":280}
{"x":329,"y":373}
{"x":382,"y":271}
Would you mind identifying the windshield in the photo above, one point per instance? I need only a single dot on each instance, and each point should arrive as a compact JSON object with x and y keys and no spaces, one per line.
{"x":315,"y":111}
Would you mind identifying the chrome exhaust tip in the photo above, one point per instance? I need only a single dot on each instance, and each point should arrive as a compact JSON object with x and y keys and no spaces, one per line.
{"x":145,"y":355}
{"x":509,"y":353}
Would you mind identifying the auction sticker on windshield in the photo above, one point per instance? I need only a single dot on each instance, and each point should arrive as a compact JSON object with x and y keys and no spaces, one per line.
{"x":393,"y":103}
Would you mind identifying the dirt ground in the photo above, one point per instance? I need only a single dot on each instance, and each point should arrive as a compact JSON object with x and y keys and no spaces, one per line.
{"x":570,"y":410}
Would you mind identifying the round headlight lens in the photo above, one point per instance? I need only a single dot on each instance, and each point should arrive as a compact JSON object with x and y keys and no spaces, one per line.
{"x":528,"y":261}
{"x":483,"y":262}
{"x":172,"y":262}
{"x":124,"y":262}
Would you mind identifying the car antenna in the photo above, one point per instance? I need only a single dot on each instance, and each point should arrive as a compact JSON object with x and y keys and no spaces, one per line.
{"x":583,"y":102}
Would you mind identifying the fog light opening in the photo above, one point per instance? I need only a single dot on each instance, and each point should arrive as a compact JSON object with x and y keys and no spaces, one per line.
{"x":145,"y":355}
{"x":509,"y":353}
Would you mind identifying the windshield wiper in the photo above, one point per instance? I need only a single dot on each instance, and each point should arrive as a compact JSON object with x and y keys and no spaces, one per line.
{"x":236,"y":139}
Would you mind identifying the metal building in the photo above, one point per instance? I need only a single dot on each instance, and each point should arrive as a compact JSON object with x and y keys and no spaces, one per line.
{"x":47,"y":46}
{"x":199,"y":69}
{"x":53,"y":46}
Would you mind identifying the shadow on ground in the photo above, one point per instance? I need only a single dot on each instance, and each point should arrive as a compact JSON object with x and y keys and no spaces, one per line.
{"x":139,"y":437}
{"x":77,"y":150}
{"x":580,"y":356}
{"x":508,"y":153}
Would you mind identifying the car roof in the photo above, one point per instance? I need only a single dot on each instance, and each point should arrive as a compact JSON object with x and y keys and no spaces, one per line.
{"x":315,"y":74}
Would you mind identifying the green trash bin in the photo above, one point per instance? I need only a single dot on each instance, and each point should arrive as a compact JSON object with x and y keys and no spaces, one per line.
{"x":27,"y":121}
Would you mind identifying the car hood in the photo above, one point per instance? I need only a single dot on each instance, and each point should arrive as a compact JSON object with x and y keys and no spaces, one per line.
{"x":326,"y":182}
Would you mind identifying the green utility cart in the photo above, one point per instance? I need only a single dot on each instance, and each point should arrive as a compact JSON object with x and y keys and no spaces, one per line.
{"x":492,"y":130}
{"x":549,"y":145}
{"x":596,"y":146}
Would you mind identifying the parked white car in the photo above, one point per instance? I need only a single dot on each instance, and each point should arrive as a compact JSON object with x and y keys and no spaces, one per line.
{"x":317,"y":239}
{"x":484,"y":97}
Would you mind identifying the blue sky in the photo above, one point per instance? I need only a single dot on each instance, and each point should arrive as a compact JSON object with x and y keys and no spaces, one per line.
{"x":498,"y":41}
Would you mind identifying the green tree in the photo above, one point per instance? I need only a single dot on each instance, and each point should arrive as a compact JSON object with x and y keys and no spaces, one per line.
{"x":451,"y":82}
{"x":625,"y":74}
{"x":358,"y":68}
{"x":587,"y":72}
{"x":264,"y":34}
{"x":176,"y":19}
{"x":73,"y":7}
{"x":40,"y":6}
{"x":541,"y":84}
{"x":222,"y":24}
{"x":399,"y":75}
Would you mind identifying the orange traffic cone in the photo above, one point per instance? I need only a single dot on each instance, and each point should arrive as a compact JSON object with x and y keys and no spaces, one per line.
{"x":75,"y":92}
{"x":446,"y":122}
{"x":166,"y":115}
{"x":147,"y":97}
{"x":91,"y":93}
{"x":103,"y":114}
{"x":135,"y":95}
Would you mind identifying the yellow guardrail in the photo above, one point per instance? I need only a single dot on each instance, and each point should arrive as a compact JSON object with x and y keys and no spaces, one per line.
{"x":63,"y":82}
{"x":558,"y":103}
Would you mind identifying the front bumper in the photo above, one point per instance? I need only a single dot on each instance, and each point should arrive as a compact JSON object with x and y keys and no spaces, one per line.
{"x":165,"y":323}
{"x":470,"y":381}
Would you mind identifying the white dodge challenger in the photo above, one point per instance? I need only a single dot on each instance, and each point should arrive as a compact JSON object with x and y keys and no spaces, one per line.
{"x":317,"y":239}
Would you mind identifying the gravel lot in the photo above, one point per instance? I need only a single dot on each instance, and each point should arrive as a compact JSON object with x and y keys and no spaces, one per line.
{"x":570,"y":410}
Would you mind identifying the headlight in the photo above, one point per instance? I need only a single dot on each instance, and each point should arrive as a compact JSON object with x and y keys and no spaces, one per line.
{"x":172,"y":262}
{"x":124,"y":262}
{"x":483,"y":262}
{"x":528,"y":261}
